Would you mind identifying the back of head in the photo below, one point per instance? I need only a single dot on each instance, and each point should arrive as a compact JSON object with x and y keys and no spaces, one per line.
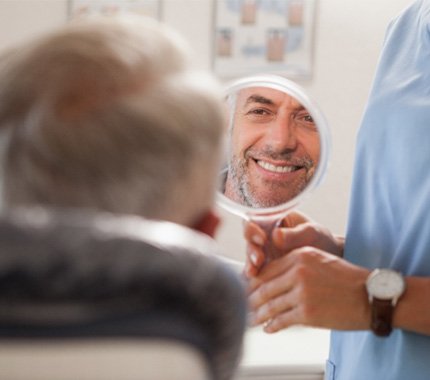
{"x":108,"y":115}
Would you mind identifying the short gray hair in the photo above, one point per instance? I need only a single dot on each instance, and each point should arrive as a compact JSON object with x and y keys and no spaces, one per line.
{"x":108,"y":115}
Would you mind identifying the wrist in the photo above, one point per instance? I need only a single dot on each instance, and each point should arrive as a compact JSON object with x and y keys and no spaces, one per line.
{"x":364,"y":309}
{"x":412,"y":312}
{"x":358,"y":311}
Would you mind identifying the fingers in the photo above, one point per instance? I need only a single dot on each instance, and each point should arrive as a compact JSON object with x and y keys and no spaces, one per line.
{"x":255,"y":256}
{"x":279,"y":266}
{"x":294,"y":218}
{"x":268,"y":292}
{"x":269,"y":272}
{"x":277,"y":314}
{"x":255,"y":234}
{"x":259,"y":251}
{"x":282,"y":321}
{"x":287,"y":239}
{"x":271,"y":310}
{"x":254,"y":261}
{"x":277,"y":290}
{"x":307,"y":234}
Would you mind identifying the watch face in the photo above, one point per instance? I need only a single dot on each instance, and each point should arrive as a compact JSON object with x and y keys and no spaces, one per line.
{"x":385,"y":284}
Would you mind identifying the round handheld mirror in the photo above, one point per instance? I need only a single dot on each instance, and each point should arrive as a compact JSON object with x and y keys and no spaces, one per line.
{"x":277,"y":148}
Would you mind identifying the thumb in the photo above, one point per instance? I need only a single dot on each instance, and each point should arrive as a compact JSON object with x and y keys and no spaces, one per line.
{"x":287,"y":239}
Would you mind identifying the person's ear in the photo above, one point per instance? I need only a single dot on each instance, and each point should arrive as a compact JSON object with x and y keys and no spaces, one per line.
{"x":208,"y":223}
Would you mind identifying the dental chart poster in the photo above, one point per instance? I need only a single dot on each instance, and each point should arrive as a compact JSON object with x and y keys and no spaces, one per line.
{"x":82,"y":8}
{"x":263,"y":36}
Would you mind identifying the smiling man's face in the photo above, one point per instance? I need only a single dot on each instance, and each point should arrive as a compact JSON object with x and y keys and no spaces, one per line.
{"x":275,"y":148}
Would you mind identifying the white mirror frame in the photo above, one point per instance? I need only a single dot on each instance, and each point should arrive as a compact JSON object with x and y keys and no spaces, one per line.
{"x":282,"y":84}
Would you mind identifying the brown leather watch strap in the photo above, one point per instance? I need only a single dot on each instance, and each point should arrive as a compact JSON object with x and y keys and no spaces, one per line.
{"x":382,"y":317}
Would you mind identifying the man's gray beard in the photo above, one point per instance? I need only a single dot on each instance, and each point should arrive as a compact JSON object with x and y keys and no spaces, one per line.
{"x":247,"y":197}
{"x":236,"y":172}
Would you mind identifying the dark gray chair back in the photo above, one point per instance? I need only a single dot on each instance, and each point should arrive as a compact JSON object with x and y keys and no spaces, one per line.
{"x":74,"y":276}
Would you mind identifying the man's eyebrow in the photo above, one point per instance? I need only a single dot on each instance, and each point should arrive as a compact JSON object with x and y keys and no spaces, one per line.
{"x":258,"y":99}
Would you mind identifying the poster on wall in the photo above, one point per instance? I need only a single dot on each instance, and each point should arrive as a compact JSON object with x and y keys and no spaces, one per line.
{"x":263,"y":36}
{"x":81,"y":8}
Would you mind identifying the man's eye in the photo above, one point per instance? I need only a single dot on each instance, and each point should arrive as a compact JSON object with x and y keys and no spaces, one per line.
{"x":259,"y":115}
{"x":305,"y":118}
{"x":258,"y":112}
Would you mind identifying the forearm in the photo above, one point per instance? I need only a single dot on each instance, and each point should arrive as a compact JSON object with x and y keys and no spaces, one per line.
{"x":413,"y":309}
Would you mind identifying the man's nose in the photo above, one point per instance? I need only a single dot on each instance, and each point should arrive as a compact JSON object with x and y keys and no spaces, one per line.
{"x":282,"y":134}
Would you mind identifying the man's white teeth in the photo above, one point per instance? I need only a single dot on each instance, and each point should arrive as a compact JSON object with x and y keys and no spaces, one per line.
{"x":276,"y":168}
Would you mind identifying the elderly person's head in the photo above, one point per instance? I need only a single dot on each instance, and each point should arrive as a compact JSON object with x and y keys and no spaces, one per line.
{"x":108,"y":115}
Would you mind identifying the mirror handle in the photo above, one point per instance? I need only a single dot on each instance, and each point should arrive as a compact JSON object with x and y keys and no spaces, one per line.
{"x":268,"y":225}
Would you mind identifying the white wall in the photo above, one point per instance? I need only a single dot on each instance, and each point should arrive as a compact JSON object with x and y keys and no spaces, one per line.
{"x":348,"y":36}
{"x":20,"y":19}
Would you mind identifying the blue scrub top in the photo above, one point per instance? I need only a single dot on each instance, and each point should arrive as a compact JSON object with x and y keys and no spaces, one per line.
{"x":389,"y":218}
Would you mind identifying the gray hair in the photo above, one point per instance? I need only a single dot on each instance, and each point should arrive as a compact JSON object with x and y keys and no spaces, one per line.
{"x":108,"y":115}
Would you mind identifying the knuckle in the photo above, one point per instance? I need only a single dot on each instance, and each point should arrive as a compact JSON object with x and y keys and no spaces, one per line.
{"x":281,"y":303}
{"x":273,"y":287}
{"x":308,"y":312}
{"x":264,"y":291}
{"x":301,"y":293}
{"x":301,"y":272}
{"x":304,"y":293}
{"x":308,"y":252}
{"x":271,"y":307}
{"x":307,"y":256}
{"x":310,"y":230}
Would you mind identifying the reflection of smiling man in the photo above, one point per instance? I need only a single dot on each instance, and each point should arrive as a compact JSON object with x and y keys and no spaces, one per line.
{"x":275,"y":148}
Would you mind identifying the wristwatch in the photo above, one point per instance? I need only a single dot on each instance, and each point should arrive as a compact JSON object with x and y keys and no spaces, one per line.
{"x":384,"y":288}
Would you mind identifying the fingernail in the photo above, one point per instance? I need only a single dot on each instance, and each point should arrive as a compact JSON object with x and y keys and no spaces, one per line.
{"x":254,"y":257}
{"x":268,"y":326}
{"x":278,"y":235}
{"x":257,"y":239}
